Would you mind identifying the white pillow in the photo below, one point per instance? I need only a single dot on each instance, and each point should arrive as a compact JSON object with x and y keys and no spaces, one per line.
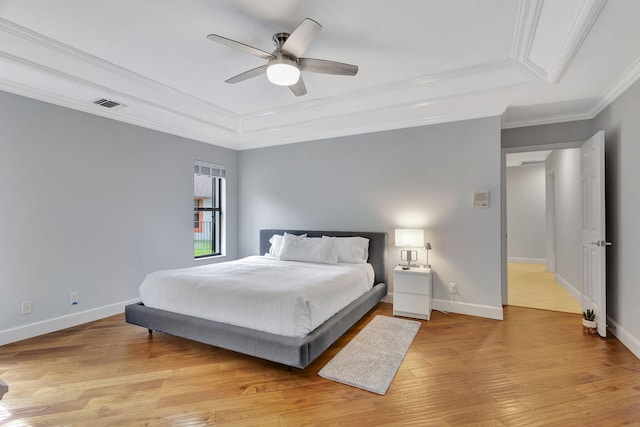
{"x":276,"y":244}
{"x":352,"y":250}
{"x":308,"y":249}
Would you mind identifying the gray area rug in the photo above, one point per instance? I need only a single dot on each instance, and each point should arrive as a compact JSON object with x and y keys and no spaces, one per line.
{"x":372,"y":358}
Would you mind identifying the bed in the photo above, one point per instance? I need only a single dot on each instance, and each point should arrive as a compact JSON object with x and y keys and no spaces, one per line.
{"x":294,"y":351}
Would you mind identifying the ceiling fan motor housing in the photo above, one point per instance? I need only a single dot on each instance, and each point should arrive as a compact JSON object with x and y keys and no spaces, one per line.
{"x":279,"y":39}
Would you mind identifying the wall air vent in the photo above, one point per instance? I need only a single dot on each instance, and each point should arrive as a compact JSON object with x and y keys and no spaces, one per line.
{"x":107,"y":103}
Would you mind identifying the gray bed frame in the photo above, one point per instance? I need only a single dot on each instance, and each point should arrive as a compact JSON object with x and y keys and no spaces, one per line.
{"x":297,"y":352}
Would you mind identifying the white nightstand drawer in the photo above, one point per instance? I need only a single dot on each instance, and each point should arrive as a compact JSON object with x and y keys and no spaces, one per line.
{"x":410,"y":283}
{"x":411,"y":303}
{"x":412,"y":292}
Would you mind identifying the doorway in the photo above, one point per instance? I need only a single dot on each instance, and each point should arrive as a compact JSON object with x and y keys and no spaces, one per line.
{"x":532,"y":215}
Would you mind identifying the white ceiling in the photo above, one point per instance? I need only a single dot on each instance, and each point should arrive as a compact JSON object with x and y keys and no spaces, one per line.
{"x":421,"y":62}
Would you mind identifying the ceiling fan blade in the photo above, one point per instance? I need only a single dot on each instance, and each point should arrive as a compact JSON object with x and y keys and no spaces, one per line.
{"x":247,"y":75}
{"x":300,"y":39}
{"x":327,"y":67}
{"x":240,"y":46}
{"x":299,"y":88}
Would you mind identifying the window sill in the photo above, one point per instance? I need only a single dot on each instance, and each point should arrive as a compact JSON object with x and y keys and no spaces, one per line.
{"x":204,"y":258}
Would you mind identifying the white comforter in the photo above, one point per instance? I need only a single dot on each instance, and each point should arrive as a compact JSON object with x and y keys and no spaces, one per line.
{"x":282,"y":297}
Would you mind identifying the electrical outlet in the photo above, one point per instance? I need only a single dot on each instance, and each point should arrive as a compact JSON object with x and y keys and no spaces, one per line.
{"x":454,"y":288}
{"x":74,"y":298}
{"x":27,"y":307}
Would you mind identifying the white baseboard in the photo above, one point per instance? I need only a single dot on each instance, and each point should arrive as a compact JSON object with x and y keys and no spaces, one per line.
{"x":629,"y":341}
{"x":467,"y":309}
{"x":527,"y":260}
{"x":460,"y":308}
{"x":58,"y":323}
{"x":576,"y":294}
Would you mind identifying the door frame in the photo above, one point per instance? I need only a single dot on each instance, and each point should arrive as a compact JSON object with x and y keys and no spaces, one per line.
{"x":550,"y":217}
{"x":503,"y":198}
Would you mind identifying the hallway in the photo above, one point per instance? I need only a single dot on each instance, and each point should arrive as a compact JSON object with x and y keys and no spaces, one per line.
{"x":530,"y":285}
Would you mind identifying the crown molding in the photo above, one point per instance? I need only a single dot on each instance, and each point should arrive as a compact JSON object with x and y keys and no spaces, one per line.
{"x":381,"y":127}
{"x":325,"y":103}
{"x":227,"y":129}
{"x":421,"y":103}
{"x":547,"y":120}
{"x":90,"y":107}
{"x":26,"y":35}
{"x":416,"y":91}
{"x":617,"y":88}
{"x":580,"y":28}
{"x":528,"y":27}
{"x":57,"y":99}
{"x":372,"y":109}
{"x":466,"y":106}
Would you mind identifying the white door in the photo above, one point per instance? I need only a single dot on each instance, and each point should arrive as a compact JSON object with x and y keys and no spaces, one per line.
{"x":594,"y":288}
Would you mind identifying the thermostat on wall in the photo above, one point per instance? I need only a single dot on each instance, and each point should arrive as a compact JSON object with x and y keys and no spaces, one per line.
{"x":481,"y":199}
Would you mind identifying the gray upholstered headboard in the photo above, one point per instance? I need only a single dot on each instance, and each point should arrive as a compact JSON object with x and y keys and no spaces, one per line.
{"x":377,"y":246}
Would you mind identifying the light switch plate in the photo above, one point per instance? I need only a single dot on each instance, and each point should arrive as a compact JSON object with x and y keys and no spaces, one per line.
{"x":481,"y":199}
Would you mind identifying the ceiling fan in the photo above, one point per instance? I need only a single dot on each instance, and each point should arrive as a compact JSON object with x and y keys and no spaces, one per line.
{"x":285,"y":63}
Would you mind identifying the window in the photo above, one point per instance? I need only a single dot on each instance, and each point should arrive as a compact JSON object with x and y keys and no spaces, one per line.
{"x":208,"y":206}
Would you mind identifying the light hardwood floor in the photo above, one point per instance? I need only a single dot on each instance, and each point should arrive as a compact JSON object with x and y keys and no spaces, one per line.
{"x":531,"y":286}
{"x":534,"y":368}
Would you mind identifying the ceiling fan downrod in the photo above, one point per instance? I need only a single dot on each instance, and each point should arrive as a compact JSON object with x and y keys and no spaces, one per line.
{"x":279,"y":39}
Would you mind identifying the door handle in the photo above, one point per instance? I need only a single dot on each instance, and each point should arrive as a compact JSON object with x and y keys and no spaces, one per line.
{"x":601,"y":243}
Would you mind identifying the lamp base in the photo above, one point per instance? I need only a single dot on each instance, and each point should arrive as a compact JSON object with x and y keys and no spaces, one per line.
{"x":409,"y":256}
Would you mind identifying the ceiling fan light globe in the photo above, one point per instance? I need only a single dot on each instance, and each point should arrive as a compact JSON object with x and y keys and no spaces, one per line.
{"x":285,"y":73}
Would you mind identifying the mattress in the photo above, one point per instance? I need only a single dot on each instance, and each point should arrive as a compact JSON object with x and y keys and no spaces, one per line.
{"x":281,"y":297}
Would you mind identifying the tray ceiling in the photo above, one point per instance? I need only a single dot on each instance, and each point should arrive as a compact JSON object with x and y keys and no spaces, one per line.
{"x":421,"y":62}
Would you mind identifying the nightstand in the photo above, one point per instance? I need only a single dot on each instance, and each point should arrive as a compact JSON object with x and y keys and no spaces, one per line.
{"x":412,"y":292}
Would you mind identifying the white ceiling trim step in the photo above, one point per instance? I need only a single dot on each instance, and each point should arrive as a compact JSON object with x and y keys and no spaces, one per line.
{"x":406,"y":94}
{"x":57,"y":99}
{"x":617,"y":88}
{"x":321,"y":104}
{"x":450,"y":110}
{"x":89,"y":107}
{"x":546,"y":120}
{"x":216,"y":115}
{"x":534,"y":55}
{"x":346,"y":120}
{"x":368,"y":128}
{"x":529,"y":28}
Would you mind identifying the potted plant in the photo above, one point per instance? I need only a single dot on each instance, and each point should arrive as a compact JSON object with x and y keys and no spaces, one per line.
{"x":589,"y":321}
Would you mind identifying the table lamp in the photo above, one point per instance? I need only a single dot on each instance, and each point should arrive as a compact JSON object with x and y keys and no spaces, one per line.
{"x":409,"y":238}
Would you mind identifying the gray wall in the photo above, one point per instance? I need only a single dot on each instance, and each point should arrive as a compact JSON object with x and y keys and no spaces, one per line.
{"x":92,"y":205}
{"x":565,"y":164}
{"x":621,"y":124}
{"x":526,"y":213}
{"x":421,"y":177}
{"x":556,"y":133}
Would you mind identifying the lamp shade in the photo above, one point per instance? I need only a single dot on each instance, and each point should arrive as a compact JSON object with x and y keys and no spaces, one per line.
{"x":409,"y":238}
